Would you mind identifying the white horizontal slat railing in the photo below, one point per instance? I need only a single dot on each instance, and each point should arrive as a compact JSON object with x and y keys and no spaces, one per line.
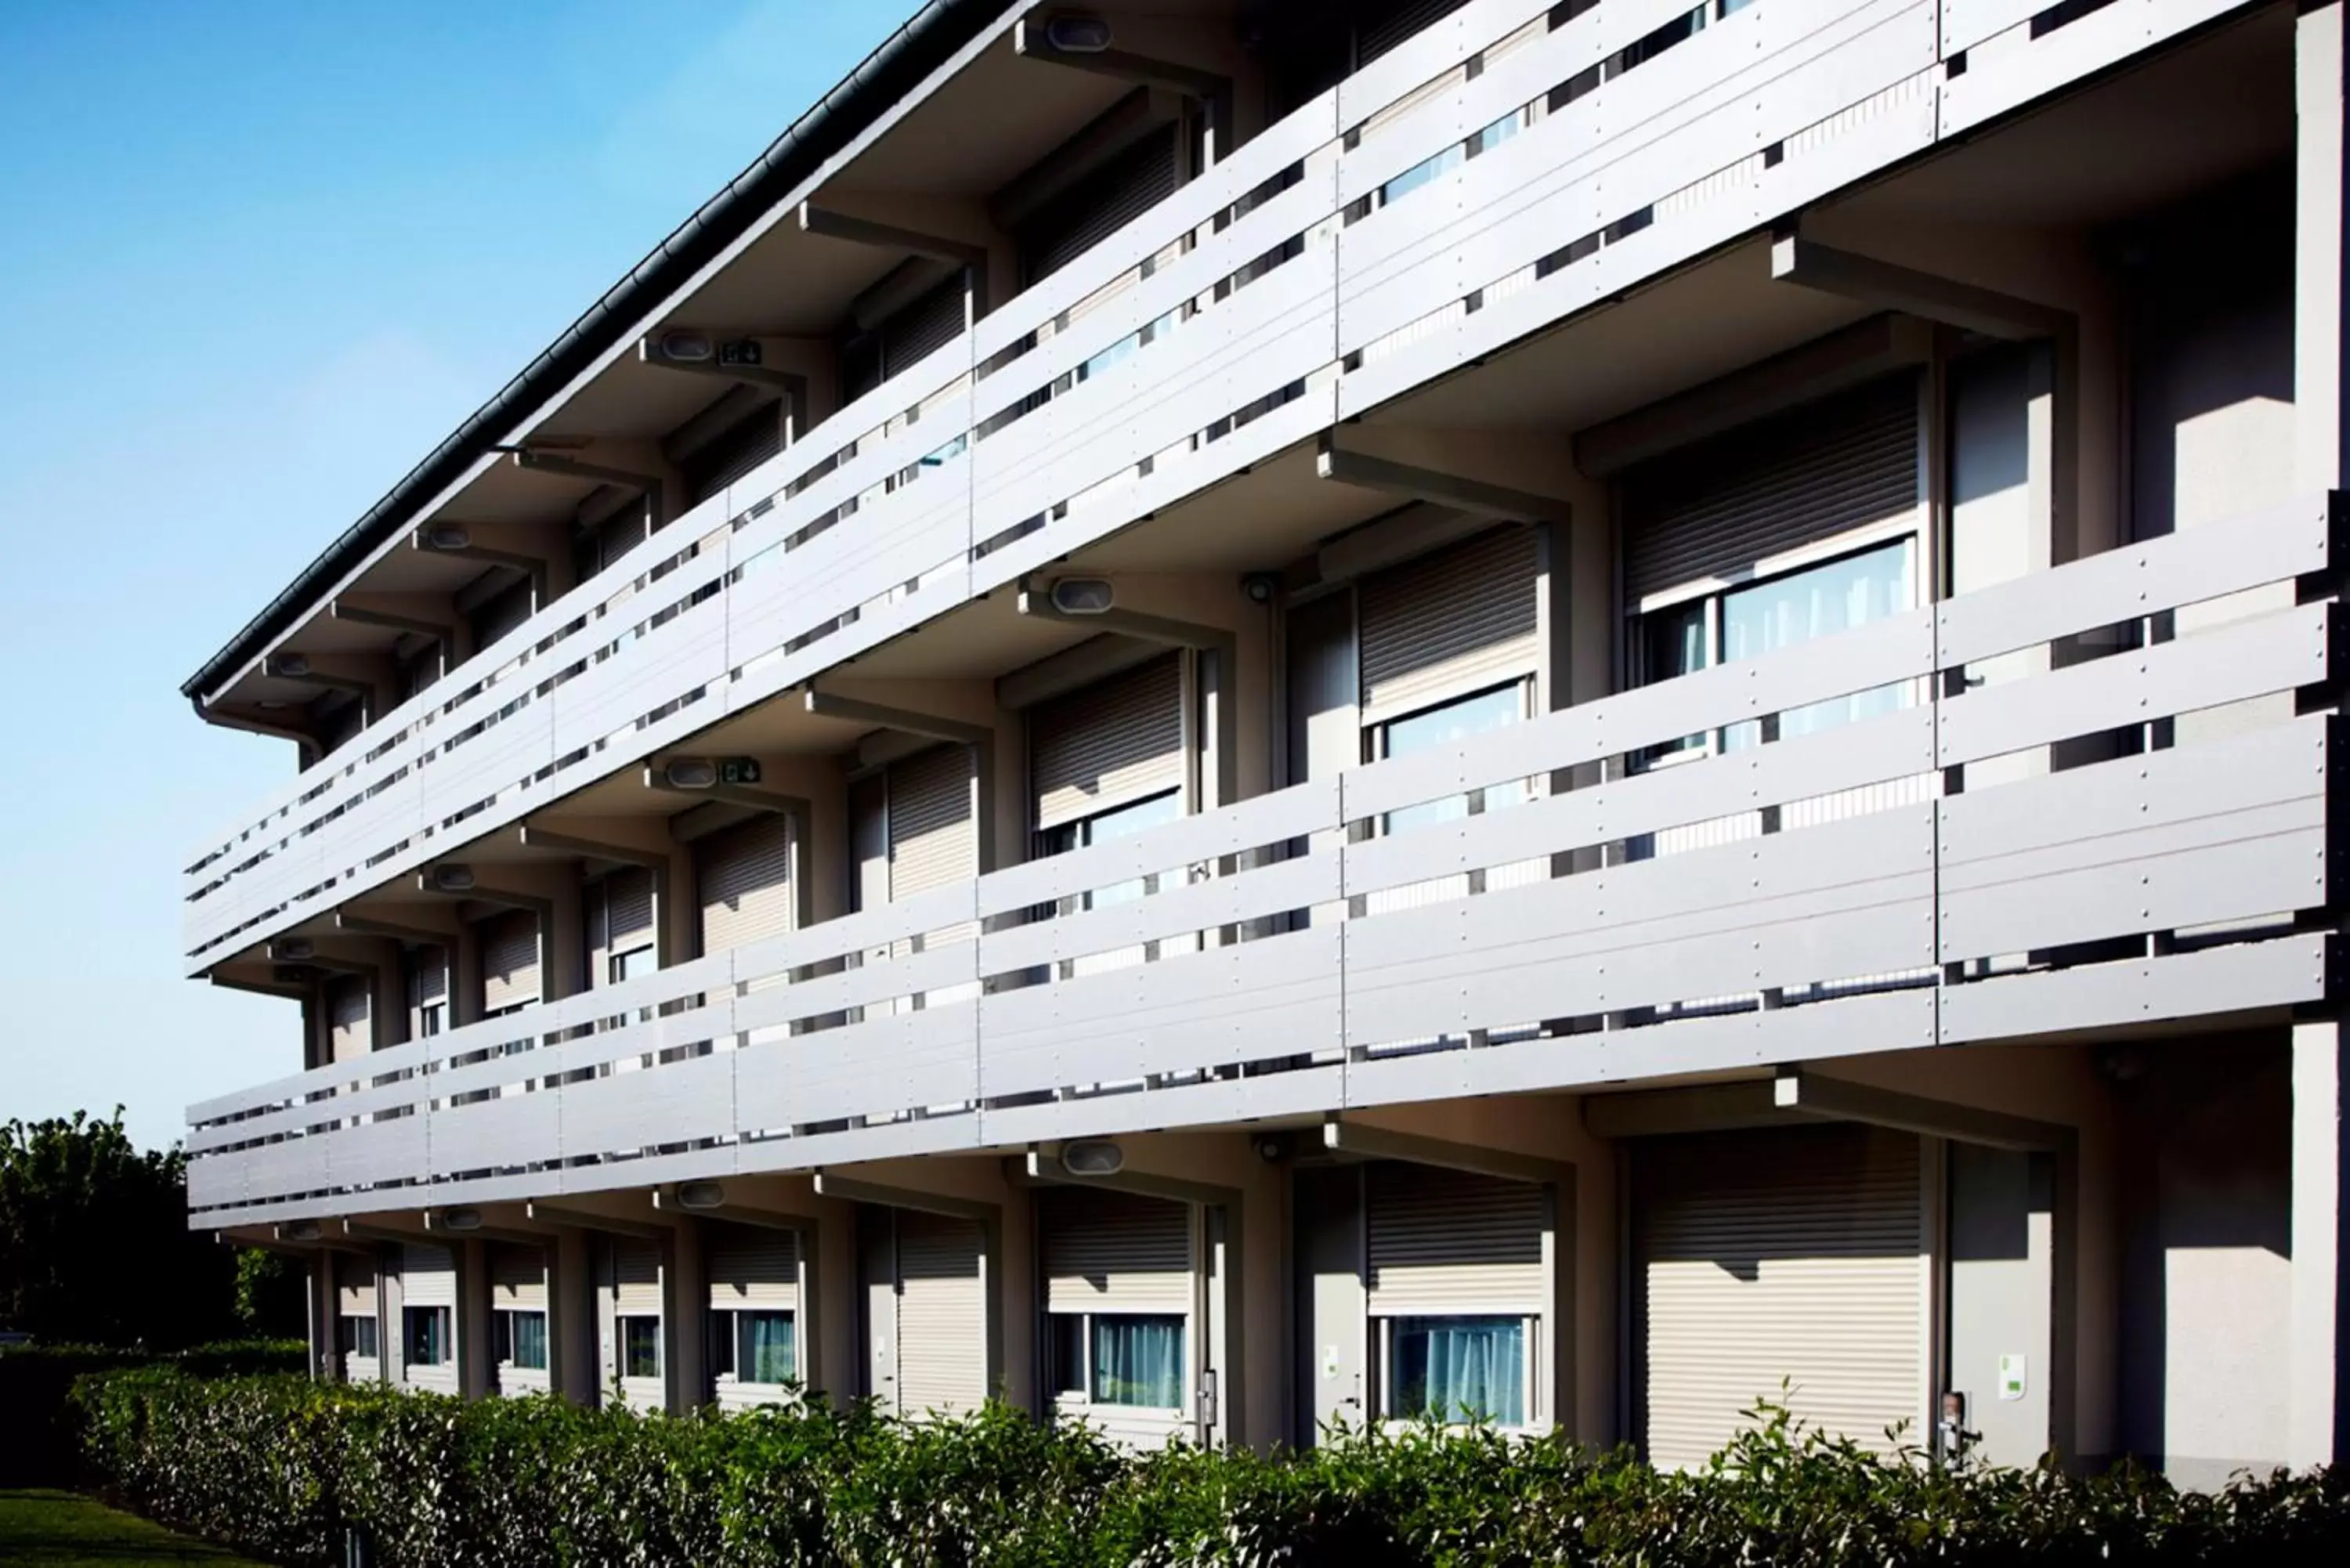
{"x":1418,"y":216}
{"x":1956,"y":856}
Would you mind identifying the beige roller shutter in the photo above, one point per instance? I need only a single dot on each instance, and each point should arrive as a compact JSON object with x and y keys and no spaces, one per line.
{"x":1447,"y":1241}
{"x":428,"y":983}
{"x":733,"y":453}
{"x":428,"y":1276}
{"x":759,"y":1268}
{"x":745,"y":873}
{"x":637,"y":1278}
{"x":1099,"y":204}
{"x":354,"y":1287}
{"x":518,"y":1277}
{"x":352,"y":1030}
{"x":510,"y":959}
{"x":1114,"y":743}
{"x":933,"y":839}
{"x":942,"y":1314}
{"x":1450,"y":622}
{"x":1710,"y":511}
{"x":1791,"y":1253}
{"x":1115,"y":1252}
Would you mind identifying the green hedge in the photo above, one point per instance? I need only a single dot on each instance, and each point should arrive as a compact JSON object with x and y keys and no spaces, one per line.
{"x":36,"y":1447}
{"x":279,"y":1467}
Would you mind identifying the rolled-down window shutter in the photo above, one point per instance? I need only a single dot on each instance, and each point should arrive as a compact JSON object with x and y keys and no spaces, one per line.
{"x":1710,"y":511}
{"x":1451,"y":1242}
{"x":518,"y":1278}
{"x":620,"y":916}
{"x":732,"y":452}
{"x":933,"y":839}
{"x":745,"y":874}
{"x":635,"y":1279}
{"x":1116,"y":741}
{"x":428,"y":1276}
{"x":347,"y":1010}
{"x":1450,"y":622}
{"x":1784,"y":1253}
{"x":756,"y":1271}
{"x":1104,"y":201}
{"x":354,"y":1287}
{"x":1393,"y":24}
{"x":924,"y":326}
{"x":510,"y":959}
{"x":1115,"y":1252}
{"x":501,"y":613}
{"x":941,"y":1313}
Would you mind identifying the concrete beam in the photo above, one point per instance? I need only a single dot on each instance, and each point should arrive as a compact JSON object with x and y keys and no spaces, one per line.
{"x":882,"y":716}
{"x":593,"y":1220}
{"x":1030,"y":41}
{"x":598,"y":845}
{"x":850,"y":1190}
{"x":1839,"y":1099}
{"x":1707,"y":1107}
{"x":747,"y":796}
{"x":419,"y":927}
{"x":1379,"y":1142}
{"x":1339,"y":465}
{"x":834,"y":224}
{"x":1797,"y":260}
{"x":1044,"y":1167}
{"x":666,"y":1201}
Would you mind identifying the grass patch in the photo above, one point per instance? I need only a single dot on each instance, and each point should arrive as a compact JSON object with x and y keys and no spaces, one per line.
{"x":64,"y":1530}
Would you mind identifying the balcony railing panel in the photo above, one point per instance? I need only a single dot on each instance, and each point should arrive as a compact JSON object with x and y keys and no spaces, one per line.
{"x":1352,"y":252}
{"x":1400,"y":930}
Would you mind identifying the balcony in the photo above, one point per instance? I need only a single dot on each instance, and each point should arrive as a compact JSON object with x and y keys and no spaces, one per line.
{"x":2082,"y":800}
{"x":1410,"y":221}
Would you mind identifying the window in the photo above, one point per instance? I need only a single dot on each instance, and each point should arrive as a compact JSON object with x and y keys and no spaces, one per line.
{"x":427,"y":1335}
{"x":640,"y":1346}
{"x":1456,"y":1369}
{"x":1120,"y":822}
{"x":357,"y":1338}
{"x":1779,"y":612}
{"x":522,"y":1340}
{"x":431,"y":1018}
{"x":1446,"y":724}
{"x":1133,"y":1360}
{"x":760,"y":1346}
{"x":632,"y":963}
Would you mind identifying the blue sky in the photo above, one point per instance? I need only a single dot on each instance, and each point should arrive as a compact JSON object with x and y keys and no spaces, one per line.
{"x":255,"y":259}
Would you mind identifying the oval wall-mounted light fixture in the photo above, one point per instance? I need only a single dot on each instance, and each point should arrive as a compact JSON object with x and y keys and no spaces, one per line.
{"x":1093,"y":1156}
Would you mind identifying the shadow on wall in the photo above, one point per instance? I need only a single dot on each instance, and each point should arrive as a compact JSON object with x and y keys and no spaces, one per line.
{"x":2206,"y":1298}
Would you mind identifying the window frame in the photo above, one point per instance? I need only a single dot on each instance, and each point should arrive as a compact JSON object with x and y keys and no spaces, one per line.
{"x":1081,"y":1399}
{"x":730,"y":1335}
{"x":621,"y":1348}
{"x":409,"y":1318}
{"x":1383,"y":1325}
{"x":346,"y":1335}
{"x":502,"y":1326}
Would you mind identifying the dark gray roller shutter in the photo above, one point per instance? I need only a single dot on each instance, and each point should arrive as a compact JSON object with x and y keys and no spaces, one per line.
{"x":1114,"y":743}
{"x":745,"y":873}
{"x":934,"y":839}
{"x":428,"y":985}
{"x":1379,"y":33}
{"x":510,"y":961}
{"x":501,"y":613}
{"x":349,"y":1010}
{"x":1712,"y":510}
{"x":517,"y":1277}
{"x":1098,"y":207}
{"x":620,"y":917}
{"x":1784,"y":1253}
{"x":637,"y":1278}
{"x":1448,"y":1242}
{"x":756,"y":1269}
{"x":732,"y":452}
{"x":923,"y":328}
{"x":1450,"y":622}
{"x":1115,"y":1252}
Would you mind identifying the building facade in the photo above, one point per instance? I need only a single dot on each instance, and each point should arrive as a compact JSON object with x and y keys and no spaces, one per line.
{"x":1229,"y":717}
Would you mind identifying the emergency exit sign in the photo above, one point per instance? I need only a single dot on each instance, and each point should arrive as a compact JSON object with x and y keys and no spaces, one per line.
{"x":738,"y":769}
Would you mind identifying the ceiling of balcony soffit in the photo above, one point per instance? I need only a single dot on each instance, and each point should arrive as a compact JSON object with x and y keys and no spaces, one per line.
{"x":1254,"y":522}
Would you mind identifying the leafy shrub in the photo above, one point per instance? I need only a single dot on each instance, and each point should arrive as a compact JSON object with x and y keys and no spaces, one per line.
{"x":36,"y":1446}
{"x":281,"y":1467}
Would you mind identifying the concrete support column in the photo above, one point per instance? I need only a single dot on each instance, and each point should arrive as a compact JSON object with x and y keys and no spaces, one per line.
{"x":475,"y":1341}
{"x":2315,"y":1426}
{"x":563,"y":941}
{"x":685,"y":1314}
{"x":2321,"y":438}
{"x":571,"y":1317}
{"x":318,"y":1285}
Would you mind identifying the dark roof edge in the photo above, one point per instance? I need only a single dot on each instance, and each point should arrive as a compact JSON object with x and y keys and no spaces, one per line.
{"x":919,"y":46}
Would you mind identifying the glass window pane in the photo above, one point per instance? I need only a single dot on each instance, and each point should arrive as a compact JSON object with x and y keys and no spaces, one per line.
{"x":632,"y":963}
{"x":1822,"y":601}
{"x":767,"y":1350}
{"x":527,"y":1340}
{"x":1064,"y":1352}
{"x":1125,"y":823}
{"x":1449,"y":724}
{"x":719,"y":1345}
{"x":640,"y":1347}
{"x":1458,"y":1370}
{"x":1138,"y":1361}
{"x":428,"y":1335}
